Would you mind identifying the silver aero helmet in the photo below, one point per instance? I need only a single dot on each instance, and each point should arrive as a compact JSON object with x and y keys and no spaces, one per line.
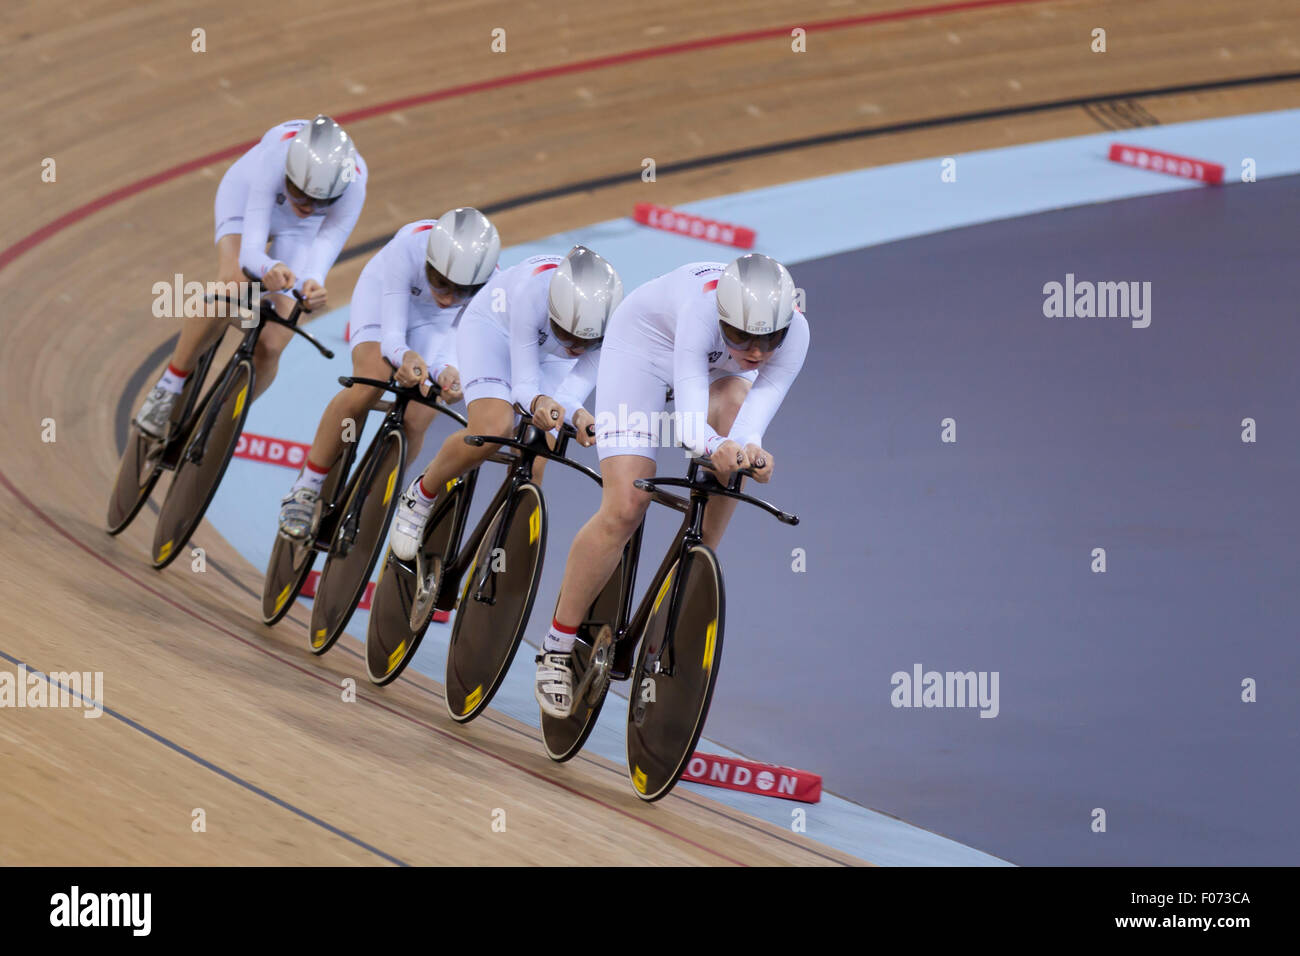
{"x":585,"y":290}
{"x":755,"y":297}
{"x":463,"y":247}
{"x":321,"y":160}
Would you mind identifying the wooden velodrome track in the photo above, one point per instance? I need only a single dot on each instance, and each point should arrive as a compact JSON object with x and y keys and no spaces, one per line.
{"x":209,"y":708}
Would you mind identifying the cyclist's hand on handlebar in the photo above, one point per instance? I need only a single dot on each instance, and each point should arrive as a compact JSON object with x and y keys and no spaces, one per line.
{"x":727,"y":458}
{"x":413,"y":370}
{"x":761,"y":461}
{"x":582,"y":422}
{"x":313,"y":294}
{"x":278,"y":278}
{"x":547,"y":413}
{"x":449,"y":382}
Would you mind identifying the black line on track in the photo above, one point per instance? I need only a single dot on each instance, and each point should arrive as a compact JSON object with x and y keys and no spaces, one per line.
{"x":209,"y":765}
{"x":138,"y":377}
{"x":843,"y":136}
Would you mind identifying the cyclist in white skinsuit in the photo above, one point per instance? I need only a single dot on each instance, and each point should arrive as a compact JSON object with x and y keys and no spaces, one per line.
{"x":531,"y":336}
{"x":301,"y":188}
{"x":729,"y":344}
{"x":403,"y":310}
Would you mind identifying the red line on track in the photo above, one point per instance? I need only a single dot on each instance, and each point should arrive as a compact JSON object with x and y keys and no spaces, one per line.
{"x":34,"y":239}
{"x":316,"y":675}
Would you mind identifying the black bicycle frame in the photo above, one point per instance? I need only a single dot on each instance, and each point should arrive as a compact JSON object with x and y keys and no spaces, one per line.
{"x":196,"y":446}
{"x":531,"y":443}
{"x":394,"y":416}
{"x":627,"y":632}
{"x":172,"y":454}
{"x":688,"y":535}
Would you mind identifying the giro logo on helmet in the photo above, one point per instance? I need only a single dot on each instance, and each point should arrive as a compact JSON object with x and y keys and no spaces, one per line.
{"x":755,"y":302}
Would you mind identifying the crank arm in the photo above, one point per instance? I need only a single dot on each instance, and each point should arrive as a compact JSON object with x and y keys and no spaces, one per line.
{"x":598,"y":663}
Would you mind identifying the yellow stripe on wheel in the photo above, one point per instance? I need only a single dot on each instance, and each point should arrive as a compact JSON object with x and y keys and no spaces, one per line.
{"x":710,"y":636}
{"x":396,"y":656}
{"x":639,"y":780}
{"x":469,"y":576}
{"x":239,"y":401}
{"x":534,"y":524}
{"x":392,"y":483}
{"x":165,"y":550}
{"x":472,"y":700}
{"x":284,"y":596}
{"x":319,"y":639}
{"x":662,"y":591}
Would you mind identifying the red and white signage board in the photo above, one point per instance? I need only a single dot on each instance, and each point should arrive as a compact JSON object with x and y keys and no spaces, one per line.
{"x":273,"y":451}
{"x":761,"y":778}
{"x":697,"y":227}
{"x":1171,"y":163}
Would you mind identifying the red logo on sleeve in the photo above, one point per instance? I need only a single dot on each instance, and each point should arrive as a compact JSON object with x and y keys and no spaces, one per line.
{"x":289,"y":135}
{"x":710,"y":285}
{"x":424,"y":228}
{"x":544,"y":266}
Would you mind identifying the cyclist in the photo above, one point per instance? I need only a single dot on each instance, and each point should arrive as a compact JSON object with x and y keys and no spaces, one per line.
{"x":729,"y":343}
{"x":403,"y":309}
{"x":301,"y":187}
{"x":531,"y":336}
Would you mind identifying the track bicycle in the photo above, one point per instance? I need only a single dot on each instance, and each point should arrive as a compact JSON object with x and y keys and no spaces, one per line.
{"x":353,"y":520}
{"x":499,"y":563}
{"x":678,"y":627}
{"x":201,"y":441}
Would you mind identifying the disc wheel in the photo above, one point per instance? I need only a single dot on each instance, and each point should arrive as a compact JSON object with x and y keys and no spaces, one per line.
{"x":141,"y":464}
{"x":393,"y":635}
{"x":291,"y":561}
{"x":667,"y":707}
{"x":564,"y":737}
{"x":359,"y":536}
{"x":194,"y":483}
{"x":138,"y":472}
{"x":495,"y":602}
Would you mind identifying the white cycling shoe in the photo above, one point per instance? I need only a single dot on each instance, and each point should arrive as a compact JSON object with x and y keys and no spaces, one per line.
{"x":408,"y":523}
{"x":298,"y":513}
{"x":554,"y":685}
{"x":155,"y":415}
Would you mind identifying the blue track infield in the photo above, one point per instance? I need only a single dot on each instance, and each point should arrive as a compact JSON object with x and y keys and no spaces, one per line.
{"x":1119,"y":690}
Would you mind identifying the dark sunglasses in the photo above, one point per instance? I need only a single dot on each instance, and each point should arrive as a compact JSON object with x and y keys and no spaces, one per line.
{"x":300,"y":198}
{"x":570,"y":341}
{"x":439,"y":283}
{"x":768,"y":342}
